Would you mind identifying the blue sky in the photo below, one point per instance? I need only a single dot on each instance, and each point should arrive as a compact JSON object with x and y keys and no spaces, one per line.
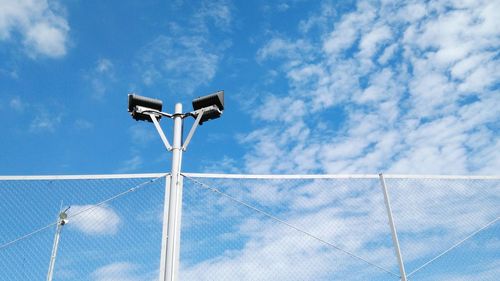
{"x":311,"y":87}
{"x":407,"y":87}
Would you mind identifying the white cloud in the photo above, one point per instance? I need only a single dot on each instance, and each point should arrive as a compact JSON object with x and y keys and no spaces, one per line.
{"x":416,"y":88}
{"x":45,"y":121}
{"x":100,"y":77}
{"x":10,"y":72}
{"x":94,"y":220}
{"x":104,"y":65}
{"x":142,"y":135}
{"x":83,"y":124}
{"x":187,"y":58}
{"x":417,"y":83}
{"x":42,"y":27}
{"x":118,"y":271}
{"x":183,"y":63}
{"x":131,"y":164}
{"x":319,"y":21}
{"x":280,"y":109}
{"x":224,"y":165}
{"x":347,"y":31}
{"x":17,"y":104}
{"x":401,"y":77}
{"x":46,"y":39}
{"x":373,"y":39}
{"x":408,"y":116}
{"x":218,"y":12}
{"x":283,"y":48}
{"x":42,"y":117}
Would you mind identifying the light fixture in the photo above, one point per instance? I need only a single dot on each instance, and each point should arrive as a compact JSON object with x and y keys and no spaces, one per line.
{"x":141,"y":107}
{"x":147,"y":109}
{"x":212,"y":105}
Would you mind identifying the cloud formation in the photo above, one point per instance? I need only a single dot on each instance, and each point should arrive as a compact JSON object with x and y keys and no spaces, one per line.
{"x":183,"y":63}
{"x":399,"y":87}
{"x":100,"y":77}
{"x":95,"y":220}
{"x":39,"y":26}
{"x":118,"y":271}
{"x":226,"y":239}
{"x":187,"y":57}
{"x":409,"y":88}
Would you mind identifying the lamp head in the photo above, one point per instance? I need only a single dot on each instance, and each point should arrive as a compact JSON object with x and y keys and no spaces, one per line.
{"x":215,"y":99}
{"x":138,"y":105}
{"x":63,"y":218}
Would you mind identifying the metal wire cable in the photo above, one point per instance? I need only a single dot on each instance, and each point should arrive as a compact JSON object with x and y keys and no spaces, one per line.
{"x":215,"y":190}
{"x":7,"y":244}
{"x":455,"y":245}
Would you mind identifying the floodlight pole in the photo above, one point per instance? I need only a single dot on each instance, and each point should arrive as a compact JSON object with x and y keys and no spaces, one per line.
{"x":170,"y":269}
{"x":148,"y":109}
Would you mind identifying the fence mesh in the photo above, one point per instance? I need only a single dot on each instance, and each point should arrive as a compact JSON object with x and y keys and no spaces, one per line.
{"x":265,"y":229}
{"x":259,"y":228}
{"x":434,"y":215}
{"x":115,"y":240}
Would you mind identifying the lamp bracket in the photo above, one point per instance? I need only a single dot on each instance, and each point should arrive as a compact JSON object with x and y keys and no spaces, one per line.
{"x":149,"y":111}
{"x":155,"y":115}
{"x":160,"y":131}
{"x":198,"y":114}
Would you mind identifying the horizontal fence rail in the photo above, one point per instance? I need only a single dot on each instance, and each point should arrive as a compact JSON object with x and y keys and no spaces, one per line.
{"x":253,"y":227}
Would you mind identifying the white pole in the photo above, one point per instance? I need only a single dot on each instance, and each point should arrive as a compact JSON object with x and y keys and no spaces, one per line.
{"x":164,"y":230}
{"x":50,"y":274}
{"x":393,"y":229}
{"x":175,"y":204}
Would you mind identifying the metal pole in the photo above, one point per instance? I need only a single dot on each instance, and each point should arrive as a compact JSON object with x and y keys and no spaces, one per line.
{"x":50,"y":274}
{"x":164,"y":230}
{"x":393,"y":229}
{"x":175,"y":204}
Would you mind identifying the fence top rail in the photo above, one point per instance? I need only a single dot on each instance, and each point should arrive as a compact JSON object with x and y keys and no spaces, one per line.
{"x":248,"y":176}
{"x":83,"y":177}
{"x":342,"y":176}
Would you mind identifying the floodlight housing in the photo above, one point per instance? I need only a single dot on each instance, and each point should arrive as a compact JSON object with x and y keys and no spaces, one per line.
{"x":63,"y":215}
{"x":63,"y":218}
{"x":140,"y":106}
{"x":216,"y":99}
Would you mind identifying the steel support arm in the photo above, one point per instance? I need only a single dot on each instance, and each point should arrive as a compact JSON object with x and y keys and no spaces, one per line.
{"x":160,"y":132}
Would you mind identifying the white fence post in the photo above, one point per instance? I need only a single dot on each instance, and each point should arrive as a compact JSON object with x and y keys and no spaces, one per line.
{"x":393,"y":229}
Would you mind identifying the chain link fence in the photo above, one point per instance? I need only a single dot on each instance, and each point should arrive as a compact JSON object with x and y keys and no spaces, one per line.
{"x":448,"y":228}
{"x":113,"y":230}
{"x":240,"y":227}
{"x":285,"y":229}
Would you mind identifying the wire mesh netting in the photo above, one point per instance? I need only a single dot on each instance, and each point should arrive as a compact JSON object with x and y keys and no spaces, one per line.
{"x":254,"y":228}
{"x":113,"y":230}
{"x":271,"y":229}
{"x":448,"y":229}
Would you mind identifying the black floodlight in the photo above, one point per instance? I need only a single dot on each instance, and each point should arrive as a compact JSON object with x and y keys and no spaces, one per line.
{"x":215,"y":99}
{"x":140,"y":106}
